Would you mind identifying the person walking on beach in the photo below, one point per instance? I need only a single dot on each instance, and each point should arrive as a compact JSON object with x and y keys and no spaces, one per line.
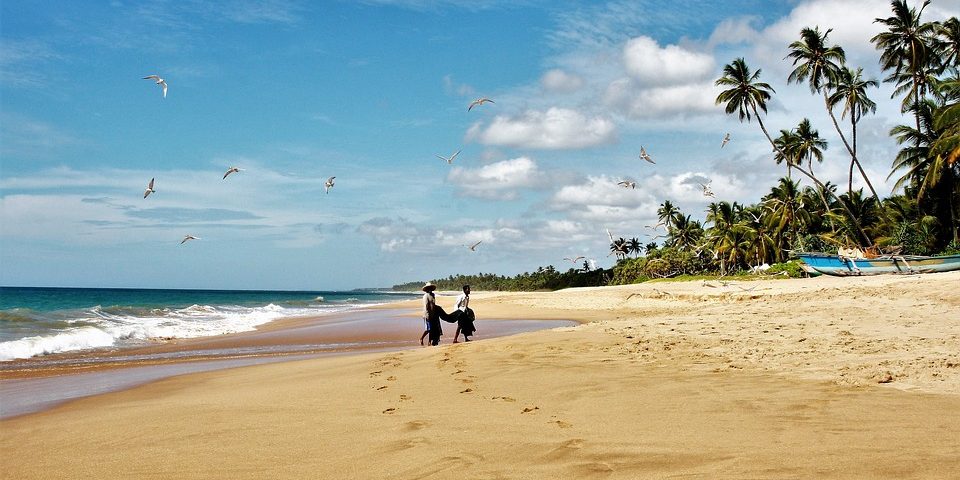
{"x":431,"y":317}
{"x":464,"y":315}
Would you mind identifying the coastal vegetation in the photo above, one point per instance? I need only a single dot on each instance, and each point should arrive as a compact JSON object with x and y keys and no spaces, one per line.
{"x":801,"y":212}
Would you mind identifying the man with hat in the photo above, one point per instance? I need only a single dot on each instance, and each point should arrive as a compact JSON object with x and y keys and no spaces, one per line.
{"x":431,"y":317}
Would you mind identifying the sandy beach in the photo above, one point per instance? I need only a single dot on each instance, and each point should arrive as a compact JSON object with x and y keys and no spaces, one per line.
{"x":806,"y":378}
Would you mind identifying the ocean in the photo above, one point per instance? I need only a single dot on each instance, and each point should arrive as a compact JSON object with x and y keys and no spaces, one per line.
{"x":36,"y":321}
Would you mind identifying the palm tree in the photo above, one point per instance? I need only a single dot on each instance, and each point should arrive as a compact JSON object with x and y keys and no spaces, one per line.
{"x":949,"y":36}
{"x":809,"y":144}
{"x":668,"y":213}
{"x":905,"y":48}
{"x":619,"y":248}
{"x":634,"y":247}
{"x":851,"y":89}
{"x":748,"y":95}
{"x":931,"y":160}
{"x":650,"y":247}
{"x":787,"y":213}
{"x":785,"y":149}
{"x":686,"y":233}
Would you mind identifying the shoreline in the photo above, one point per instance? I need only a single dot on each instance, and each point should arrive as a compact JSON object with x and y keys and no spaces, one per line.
{"x":825,"y":378}
{"x":36,"y":384}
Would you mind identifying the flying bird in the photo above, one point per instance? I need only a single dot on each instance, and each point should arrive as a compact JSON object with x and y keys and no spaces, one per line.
{"x":473,"y":248}
{"x":643,"y":155}
{"x":450,"y":158}
{"x":574,"y":260}
{"x":726,"y":138}
{"x":478,"y":102}
{"x":626,"y":184}
{"x":231,"y":170}
{"x":188,"y":237}
{"x":706,"y":189}
{"x":149,"y":189}
{"x":159,"y":81}
{"x":328,"y":184}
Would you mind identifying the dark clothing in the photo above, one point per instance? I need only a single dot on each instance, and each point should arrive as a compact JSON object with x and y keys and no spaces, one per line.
{"x":436,"y":331}
{"x":464,"y":319}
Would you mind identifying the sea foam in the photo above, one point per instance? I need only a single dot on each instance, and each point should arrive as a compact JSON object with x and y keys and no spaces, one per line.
{"x":107,"y":327}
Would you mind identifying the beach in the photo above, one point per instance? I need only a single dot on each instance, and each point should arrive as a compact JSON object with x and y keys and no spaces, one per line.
{"x":797,"y":378}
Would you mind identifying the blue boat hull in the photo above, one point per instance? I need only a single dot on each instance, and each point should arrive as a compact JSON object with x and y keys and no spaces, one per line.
{"x":846,"y":267}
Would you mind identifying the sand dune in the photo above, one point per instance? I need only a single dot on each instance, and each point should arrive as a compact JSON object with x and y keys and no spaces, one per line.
{"x":820,"y":378}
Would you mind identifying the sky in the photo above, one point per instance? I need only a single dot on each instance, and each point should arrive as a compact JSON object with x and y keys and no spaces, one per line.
{"x":372,"y":92}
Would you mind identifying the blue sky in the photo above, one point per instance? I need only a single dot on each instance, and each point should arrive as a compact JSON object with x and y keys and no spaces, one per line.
{"x":370,"y":92}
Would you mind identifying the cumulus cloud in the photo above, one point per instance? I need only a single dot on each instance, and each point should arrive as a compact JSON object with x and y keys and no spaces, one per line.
{"x":553,"y":129}
{"x":560,"y":81}
{"x":650,"y":64}
{"x":628,"y":99}
{"x":499,"y":180}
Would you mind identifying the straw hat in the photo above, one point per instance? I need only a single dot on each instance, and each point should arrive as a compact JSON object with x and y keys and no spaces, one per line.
{"x":428,"y":286}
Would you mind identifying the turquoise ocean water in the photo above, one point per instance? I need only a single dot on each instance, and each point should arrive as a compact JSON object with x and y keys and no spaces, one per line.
{"x":36,"y":321}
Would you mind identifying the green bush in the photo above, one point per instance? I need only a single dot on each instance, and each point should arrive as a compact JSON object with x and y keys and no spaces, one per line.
{"x":630,"y":270}
{"x":792,"y":268}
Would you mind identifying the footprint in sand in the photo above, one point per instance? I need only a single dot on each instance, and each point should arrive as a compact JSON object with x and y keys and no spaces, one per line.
{"x":376,"y":374}
{"x":416,"y":425}
{"x":391,"y":378}
{"x":505,"y":399}
{"x":389,"y":410}
{"x":561,"y":423}
{"x":381,"y":387}
{"x":467,"y":390}
{"x":404,"y":397}
{"x":530,"y":409}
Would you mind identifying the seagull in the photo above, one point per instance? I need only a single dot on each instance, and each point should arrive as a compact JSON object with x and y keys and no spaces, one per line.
{"x":231,"y":170}
{"x":706,"y":189}
{"x":188,"y":237}
{"x":575,"y":259}
{"x":654,"y":227}
{"x":149,"y":189}
{"x":160,"y":81}
{"x":626,"y":184}
{"x":478,"y":102}
{"x":329,"y":184}
{"x":726,"y":138}
{"x":643,"y":155}
{"x":450,"y":158}
{"x":610,"y":235}
{"x":473,"y":248}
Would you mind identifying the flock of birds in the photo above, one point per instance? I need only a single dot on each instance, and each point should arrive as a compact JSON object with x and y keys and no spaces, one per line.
{"x":705,"y":187}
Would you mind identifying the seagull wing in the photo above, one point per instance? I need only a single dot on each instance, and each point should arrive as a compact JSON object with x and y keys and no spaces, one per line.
{"x":474,"y":246}
{"x":163,"y":84}
{"x":450,"y":160}
{"x":152,"y":77}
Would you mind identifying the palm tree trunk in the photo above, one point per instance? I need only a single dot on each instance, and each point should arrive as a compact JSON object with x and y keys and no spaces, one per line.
{"x":822,"y":189}
{"x":852,"y":151}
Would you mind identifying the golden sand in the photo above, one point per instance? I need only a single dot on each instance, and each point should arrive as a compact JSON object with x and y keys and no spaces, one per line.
{"x":815,"y":378}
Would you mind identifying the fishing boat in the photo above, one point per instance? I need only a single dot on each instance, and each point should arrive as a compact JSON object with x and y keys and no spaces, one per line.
{"x":844,"y":266}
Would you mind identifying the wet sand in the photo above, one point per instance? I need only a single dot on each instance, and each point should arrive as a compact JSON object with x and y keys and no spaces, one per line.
{"x":792,"y":379}
{"x":32,"y":385}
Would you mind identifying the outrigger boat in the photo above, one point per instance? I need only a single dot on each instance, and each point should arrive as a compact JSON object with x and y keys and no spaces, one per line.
{"x":843,"y":266}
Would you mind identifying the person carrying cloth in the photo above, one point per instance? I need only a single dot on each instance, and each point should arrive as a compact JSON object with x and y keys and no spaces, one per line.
{"x":464,"y":316}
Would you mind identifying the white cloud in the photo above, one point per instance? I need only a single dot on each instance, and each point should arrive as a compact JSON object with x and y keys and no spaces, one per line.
{"x":555,"y":129}
{"x":648,"y":63}
{"x":734,"y":31}
{"x":499,"y":180}
{"x":626,"y":97}
{"x":557,"y":80}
